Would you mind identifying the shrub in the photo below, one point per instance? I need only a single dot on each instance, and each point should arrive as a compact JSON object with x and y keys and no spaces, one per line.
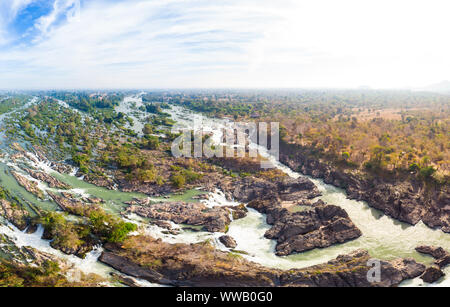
{"x":427,"y":171}
{"x":120,"y":231}
{"x":345,"y":155}
{"x":147,"y":175}
{"x":413,"y":167}
{"x":178,"y":180}
{"x":151,"y":142}
{"x":108,"y":227}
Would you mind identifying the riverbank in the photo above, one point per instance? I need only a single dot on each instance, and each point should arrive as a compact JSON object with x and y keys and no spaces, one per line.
{"x":290,"y":212}
{"x":402,"y":198}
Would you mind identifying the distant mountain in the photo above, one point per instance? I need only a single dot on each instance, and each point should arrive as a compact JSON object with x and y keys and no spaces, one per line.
{"x":441,"y":87}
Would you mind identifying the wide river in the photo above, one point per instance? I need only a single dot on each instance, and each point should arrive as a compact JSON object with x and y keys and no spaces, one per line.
{"x":383,"y":236}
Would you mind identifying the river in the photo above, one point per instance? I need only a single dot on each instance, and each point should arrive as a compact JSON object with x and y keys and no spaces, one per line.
{"x":384,"y":237}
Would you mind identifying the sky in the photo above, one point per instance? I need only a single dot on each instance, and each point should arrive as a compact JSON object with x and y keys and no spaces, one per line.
{"x":71,"y":44}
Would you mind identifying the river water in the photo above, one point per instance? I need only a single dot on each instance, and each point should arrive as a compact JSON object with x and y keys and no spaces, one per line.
{"x":384,"y":237}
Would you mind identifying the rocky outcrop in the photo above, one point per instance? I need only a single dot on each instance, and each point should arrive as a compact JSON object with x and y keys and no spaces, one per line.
{"x":72,"y":205}
{"x":441,"y":256}
{"x":145,"y":188}
{"x":239,"y":212}
{"x":250,"y":188}
{"x":214,"y":219}
{"x":100,"y":181}
{"x":127,"y":281}
{"x":78,"y":250}
{"x":167,"y":225}
{"x":93,"y":200}
{"x":39,"y":258}
{"x":228,"y":241}
{"x":432,"y":274}
{"x":403,"y":198}
{"x":201,"y":265}
{"x":319,"y":226}
{"x":18,"y":216}
{"x":28,"y":185}
{"x":50,"y":180}
{"x":61,"y":168}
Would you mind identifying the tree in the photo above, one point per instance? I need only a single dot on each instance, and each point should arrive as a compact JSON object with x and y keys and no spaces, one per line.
{"x":178,"y":180}
{"x":148,"y":129}
{"x":345,"y":155}
{"x":152,"y":142}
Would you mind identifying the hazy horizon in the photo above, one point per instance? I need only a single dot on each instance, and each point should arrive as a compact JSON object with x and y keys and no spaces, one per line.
{"x":200,"y":44}
{"x":360,"y":88}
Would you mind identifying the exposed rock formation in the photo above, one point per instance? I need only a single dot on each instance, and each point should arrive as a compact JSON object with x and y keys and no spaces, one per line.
{"x":239,"y":212}
{"x":127,"y":281}
{"x":432,"y":274}
{"x":250,"y":188}
{"x":202,"y":265}
{"x":317,"y":227}
{"x":50,"y":180}
{"x":100,"y":181}
{"x":228,"y":241}
{"x":28,"y":185}
{"x":72,"y":205}
{"x":441,"y":255}
{"x":321,"y":226}
{"x":197,"y":214}
{"x":405,"y":199}
{"x":78,"y":250}
{"x":18,"y":216}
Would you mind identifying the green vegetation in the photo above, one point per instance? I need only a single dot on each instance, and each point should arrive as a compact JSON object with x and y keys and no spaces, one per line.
{"x":66,"y":235}
{"x":183,"y":176}
{"x":8,"y":104}
{"x":46,"y":274}
{"x":108,"y":227}
{"x":380,"y":132}
{"x":98,"y":226}
{"x":99,"y":106}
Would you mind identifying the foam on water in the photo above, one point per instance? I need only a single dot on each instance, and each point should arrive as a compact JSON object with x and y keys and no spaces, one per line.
{"x":383,"y":236}
{"x":88,"y":265}
{"x":218,"y":199}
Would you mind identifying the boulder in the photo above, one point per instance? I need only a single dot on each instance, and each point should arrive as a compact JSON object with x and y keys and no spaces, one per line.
{"x":318,"y":226}
{"x":228,"y":241}
{"x":435,"y":252}
{"x":214,"y":219}
{"x":441,"y":255}
{"x":432,"y":274}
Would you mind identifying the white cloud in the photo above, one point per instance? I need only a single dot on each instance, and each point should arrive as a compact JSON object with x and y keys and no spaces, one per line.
{"x":60,"y":7}
{"x":246,"y":43}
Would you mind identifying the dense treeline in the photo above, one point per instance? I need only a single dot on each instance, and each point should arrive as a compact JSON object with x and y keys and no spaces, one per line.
{"x":100,"y":106}
{"x":378,"y":131}
{"x":8,"y":103}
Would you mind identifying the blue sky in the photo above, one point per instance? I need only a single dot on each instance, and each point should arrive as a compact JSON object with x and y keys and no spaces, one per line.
{"x":217,"y":43}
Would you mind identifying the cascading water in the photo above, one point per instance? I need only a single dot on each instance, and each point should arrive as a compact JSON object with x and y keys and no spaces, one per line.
{"x":384,"y":237}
